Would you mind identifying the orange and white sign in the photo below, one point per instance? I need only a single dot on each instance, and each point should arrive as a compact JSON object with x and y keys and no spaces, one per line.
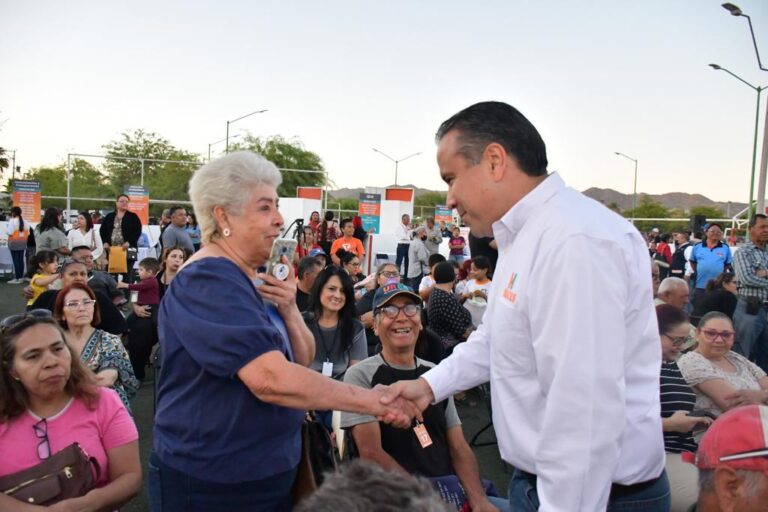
{"x":27,"y":196}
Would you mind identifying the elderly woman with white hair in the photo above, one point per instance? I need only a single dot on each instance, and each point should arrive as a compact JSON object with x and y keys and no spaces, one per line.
{"x":234,"y":380}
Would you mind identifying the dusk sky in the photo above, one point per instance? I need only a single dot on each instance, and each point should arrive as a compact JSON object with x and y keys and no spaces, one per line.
{"x":343,"y":77}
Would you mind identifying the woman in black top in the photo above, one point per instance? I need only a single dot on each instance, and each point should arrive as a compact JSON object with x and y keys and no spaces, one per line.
{"x":719,"y":295}
{"x":677,"y":402}
{"x":447,"y":317}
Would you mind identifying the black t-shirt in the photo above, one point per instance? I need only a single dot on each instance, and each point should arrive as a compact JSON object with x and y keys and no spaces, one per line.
{"x":302,"y":300}
{"x":479,"y":246}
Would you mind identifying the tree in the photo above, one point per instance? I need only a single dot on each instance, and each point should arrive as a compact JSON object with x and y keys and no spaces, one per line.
{"x":286,"y":154}
{"x":164,"y":180}
{"x":87,"y":181}
{"x":710,"y":212}
{"x":646,"y":209}
{"x":4,"y":162}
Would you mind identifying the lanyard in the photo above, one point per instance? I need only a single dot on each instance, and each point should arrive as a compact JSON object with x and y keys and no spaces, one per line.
{"x":333,"y":343}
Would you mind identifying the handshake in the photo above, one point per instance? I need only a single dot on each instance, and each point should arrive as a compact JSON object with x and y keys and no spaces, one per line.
{"x":398,"y":404}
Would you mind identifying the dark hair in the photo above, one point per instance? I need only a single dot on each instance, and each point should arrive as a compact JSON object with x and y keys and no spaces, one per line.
{"x":344,"y":222}
{"x":58,"y":306}
{"x":43,"y":257}
{"x":16,"y":212}
{"x":493,"y":121}
{"x":669,"y":317}
{"x":328,"y":217}
{"x":718,"y":282}
{"x":78,"y":248}
{"x":381,"y":268}
{"x":68,"y":264}
{"x":482,"y":263}
{"x":712,"y":315}
{"x":753,"y":219}
{"x":150,"y":264}
{"x":345,"y":257}
{"x":464,"y":270}
{"x":169,"y":250}
{"x":50,"y":220}
{"x":434,"y":259}
{"x":14,"y":399}
{"x":348,"y":313}
{"x":315,"y":212}
{"x":88,"y":220}
{"x":664,"y":237}
{"x":191,"y":216}
{"x":175,"y":208}
{"x":122,"y":195}
{"x":444,"y":273}
{"x":307,"y":264}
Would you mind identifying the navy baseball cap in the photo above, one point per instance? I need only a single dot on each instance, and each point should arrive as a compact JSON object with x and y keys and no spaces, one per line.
{"x":391,"y":290}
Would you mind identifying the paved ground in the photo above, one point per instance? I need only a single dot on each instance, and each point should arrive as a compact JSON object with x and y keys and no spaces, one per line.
{"x":473,"y":412}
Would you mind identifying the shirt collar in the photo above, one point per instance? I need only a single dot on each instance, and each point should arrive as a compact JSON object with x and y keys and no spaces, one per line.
{"x":506,"y":228}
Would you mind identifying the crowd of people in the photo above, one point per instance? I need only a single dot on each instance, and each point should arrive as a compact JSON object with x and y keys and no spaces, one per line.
{"x":602,"y":381}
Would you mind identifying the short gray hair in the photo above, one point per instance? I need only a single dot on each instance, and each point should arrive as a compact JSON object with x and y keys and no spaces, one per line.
{"x":752,"y":481}
{"x":228,"y":182}
{"x":671,"y":283}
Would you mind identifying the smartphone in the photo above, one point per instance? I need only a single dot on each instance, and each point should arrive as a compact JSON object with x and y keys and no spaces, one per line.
{"x":275,"y":266}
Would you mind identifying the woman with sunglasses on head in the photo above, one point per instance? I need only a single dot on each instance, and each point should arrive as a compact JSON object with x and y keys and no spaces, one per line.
{"x":78,"y":313}
{"x":677,"y":401}
{"x":721,"y":378}
{"x":48,"y":400}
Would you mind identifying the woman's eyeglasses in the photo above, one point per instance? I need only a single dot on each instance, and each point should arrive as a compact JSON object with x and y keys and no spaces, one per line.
{"x":389,"y":274}
{"x":410,"y":310}
{"x":9,"y":321}
{"x":712,"y":335}
{"x":44,"y":446}
{"x":677,"y":341}
{"x":76,"y":304}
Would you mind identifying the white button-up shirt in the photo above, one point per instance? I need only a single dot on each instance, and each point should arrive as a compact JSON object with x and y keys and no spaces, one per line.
{"x":403,"y":234}
{"x":570,"y":345}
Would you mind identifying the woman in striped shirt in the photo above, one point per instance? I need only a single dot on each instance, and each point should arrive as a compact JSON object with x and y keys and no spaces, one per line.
{"x":677,"y":400}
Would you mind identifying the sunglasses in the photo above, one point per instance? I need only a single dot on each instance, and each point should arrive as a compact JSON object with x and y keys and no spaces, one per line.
{"x":10,"y":321}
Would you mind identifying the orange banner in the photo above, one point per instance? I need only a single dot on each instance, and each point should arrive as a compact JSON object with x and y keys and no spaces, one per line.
{"x":138,"y":202}
{"x":28,"y":197}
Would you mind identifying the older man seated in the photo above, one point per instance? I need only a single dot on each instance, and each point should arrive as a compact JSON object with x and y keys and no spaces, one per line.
{"x":674,"y":291}
{"x":433,"y":448}
{"x":733,"y":462}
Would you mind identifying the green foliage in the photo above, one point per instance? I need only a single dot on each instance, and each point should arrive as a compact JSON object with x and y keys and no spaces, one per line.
{"x":709,"y":212}
{"x":4,"y":162}
{"x":647,"y":208}
{"x":286,"y":154}
{"x":87,"y":181}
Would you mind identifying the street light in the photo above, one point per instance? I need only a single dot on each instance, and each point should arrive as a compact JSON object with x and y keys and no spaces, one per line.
{"x":239,"y":118}
{"x":214,"y":143}
{"x":396,"y":161}
{"x":634,"y":189}
{"x":759,"y":90}
{"x":735,"y":11}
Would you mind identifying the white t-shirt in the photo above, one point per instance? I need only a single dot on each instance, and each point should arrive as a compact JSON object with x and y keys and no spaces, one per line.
{"x":426,"y":283}
{"x":472,"y":286}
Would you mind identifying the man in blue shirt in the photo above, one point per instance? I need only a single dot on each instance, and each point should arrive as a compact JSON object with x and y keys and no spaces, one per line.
{"x":709,"y":259}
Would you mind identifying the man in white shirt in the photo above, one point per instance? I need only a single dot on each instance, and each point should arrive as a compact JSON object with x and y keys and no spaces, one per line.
{"x":403,"y":237}
{"x":569,"y":340}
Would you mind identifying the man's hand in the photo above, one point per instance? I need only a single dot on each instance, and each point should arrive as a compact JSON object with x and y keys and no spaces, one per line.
{"x":399,"y":412}
{"x":483,"y":505}
{"x":416,"y":391}
{"x":681,"y":422}
{"x":106,"y":247}
{"x":142,"y":311}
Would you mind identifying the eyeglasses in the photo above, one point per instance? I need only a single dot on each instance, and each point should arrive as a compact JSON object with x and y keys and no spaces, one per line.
{"x":390,"y":274}
{"x":355,"y":264}
{"x":76,"y":304}
{"x":677,"y":341}
{"x":392,"y":312}
{"x":10,"y":321}
{"x":44,"y":446}
{"x":712,"y":334}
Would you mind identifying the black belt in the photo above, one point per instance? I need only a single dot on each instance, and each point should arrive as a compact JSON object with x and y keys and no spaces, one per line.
{"x":617,"y":490}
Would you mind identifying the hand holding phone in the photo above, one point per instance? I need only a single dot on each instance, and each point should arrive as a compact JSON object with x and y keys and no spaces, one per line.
{"x":276,"y":267}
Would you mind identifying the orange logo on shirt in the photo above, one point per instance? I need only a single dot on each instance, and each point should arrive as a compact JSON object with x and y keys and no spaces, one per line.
{"x":508,"y":293}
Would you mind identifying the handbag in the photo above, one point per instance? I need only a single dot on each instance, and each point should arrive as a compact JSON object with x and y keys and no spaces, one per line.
{"x":17,"y":241}
{"x":69,"y":473}
{"x":317,"y":457}
{"x":118,"y":260}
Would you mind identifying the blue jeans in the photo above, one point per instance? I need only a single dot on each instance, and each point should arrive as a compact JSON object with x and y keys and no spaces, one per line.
{"x":18,"y":263}
{"x":402,"y":256}
{"x":751,"y":332}
{"x":171,"y":490}
{"x":458,"y":258}
{"x":655,"y":498}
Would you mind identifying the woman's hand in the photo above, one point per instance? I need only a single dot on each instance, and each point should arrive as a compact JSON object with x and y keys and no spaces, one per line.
{"x":681,"y":422}
{"x":106,"y":378}
{"x":748,"y":397}
{"x":142,"y":311}
{"x":282,"y":293}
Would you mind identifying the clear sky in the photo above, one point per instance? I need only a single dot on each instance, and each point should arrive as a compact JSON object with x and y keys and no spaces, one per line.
{"x":346,"y":76}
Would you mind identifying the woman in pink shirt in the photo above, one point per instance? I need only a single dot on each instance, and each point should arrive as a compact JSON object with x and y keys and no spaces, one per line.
{"x":48,"y":401}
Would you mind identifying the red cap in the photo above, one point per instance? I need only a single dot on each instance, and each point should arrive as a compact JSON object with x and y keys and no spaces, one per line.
{"x":738,"y":439}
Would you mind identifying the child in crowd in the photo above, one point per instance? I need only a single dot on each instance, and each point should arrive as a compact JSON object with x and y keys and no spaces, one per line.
{"x":428,"y":281}
{"x":43,"y":271}
{"x":148,"y":287}
{"x":479,"y":282}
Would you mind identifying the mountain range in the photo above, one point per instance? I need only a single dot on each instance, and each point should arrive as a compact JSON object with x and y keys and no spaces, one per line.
{"x":677,"y":200}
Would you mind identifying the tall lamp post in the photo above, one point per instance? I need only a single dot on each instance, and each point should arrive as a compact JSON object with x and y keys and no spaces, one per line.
{"x":394,"y":160}
{"x":759,"y":90}
{"x":634,"y":188}
{"x":214,"y":143}
{"x":735,"y":11}
{"x":239,"y":118}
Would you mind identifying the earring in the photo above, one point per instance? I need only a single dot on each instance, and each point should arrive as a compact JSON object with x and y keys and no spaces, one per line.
{"x":226,"y":232}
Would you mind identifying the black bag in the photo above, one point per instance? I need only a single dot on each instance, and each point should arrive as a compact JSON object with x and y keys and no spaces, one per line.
{"x":317,"y":457}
